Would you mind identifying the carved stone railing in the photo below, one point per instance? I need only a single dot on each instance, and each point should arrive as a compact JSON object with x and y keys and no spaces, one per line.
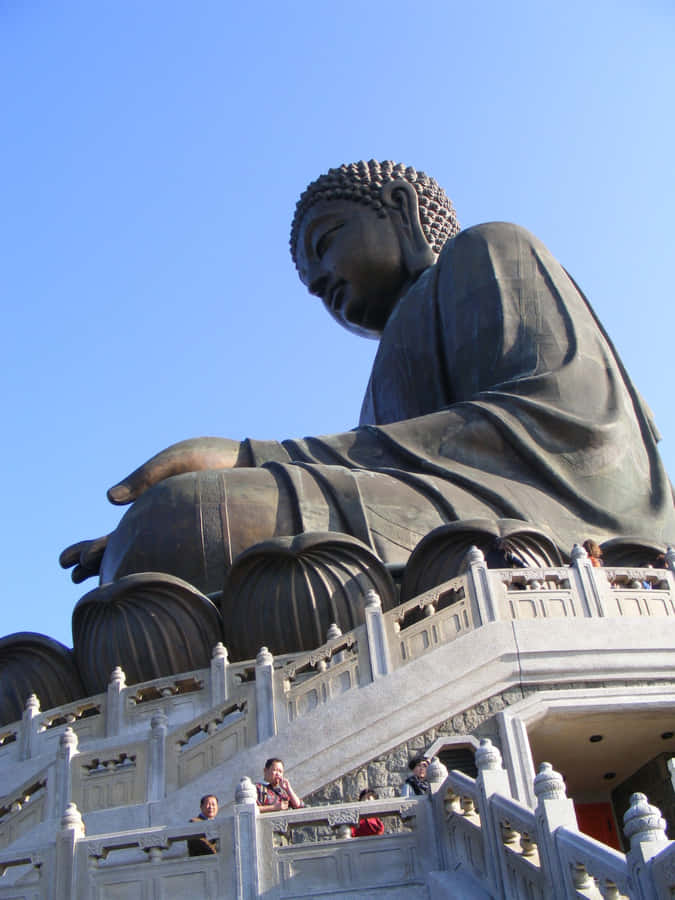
{"x":207,"y":742}
{"x":23,"y":809}
{"x":593,"y":864}
{"x":315,"y":678}
{"x":40,"y":732}
{"x":304,"y":852}
{"x":151,"y":862}
{"x":468,"y":836}
{"x":101,"y":780}
{"x":433,"y":618}
{"x":512,"y":851}
{"x":538,"y":594}
{"x":178,"y":727}
{"x":141,"y":697}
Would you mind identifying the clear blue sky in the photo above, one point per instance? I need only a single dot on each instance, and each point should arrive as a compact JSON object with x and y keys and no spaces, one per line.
{"x":151,"y":156}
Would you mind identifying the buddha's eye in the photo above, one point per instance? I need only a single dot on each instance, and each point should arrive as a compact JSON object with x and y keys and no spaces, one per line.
{"x":325,"y":240}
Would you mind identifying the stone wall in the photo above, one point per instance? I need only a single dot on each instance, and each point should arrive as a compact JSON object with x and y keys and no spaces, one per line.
{"x":387,"y":772}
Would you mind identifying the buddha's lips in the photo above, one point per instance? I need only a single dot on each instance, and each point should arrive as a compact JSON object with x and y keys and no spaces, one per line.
{"x":336,"y":296}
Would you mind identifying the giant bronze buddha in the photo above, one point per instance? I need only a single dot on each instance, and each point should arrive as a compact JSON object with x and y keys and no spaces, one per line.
{"x":496,"y":399}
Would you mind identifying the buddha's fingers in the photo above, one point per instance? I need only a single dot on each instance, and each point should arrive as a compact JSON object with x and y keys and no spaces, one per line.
{"x":85,"y":557}
{"x":194,"y":455}
{"x":71,"y":555}
{"x":80,"y":574}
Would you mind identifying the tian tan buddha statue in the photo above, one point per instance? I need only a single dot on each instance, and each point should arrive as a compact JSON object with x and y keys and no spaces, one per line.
{"x":497,"y":413}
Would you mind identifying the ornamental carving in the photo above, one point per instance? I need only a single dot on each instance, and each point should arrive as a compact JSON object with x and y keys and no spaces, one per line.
{"x":343,"y":817}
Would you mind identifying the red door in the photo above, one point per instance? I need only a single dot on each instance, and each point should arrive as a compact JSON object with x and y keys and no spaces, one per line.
{"x":597,"y":820}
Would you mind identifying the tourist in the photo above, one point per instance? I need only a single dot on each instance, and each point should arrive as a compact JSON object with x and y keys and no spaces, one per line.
{"x":368,"y":825}
{"x":416,"y":783}
{"x":594,"y":553}
{"x":275,"y":792}
{"x":208,"y":809}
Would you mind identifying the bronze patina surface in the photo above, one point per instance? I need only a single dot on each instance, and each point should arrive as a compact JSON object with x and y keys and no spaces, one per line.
{"x":495,"y":395}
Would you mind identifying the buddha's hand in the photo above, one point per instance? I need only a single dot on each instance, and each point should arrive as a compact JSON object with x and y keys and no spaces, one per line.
{"x":85,"y":557}
{"x":194,"y":455}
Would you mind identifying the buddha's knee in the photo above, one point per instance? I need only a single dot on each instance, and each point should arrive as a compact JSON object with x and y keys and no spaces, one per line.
{"x":194,"y":525}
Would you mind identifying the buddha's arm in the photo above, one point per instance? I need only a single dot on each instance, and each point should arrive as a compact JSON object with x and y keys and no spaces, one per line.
{"x":361,"y":448}
{"x":423,"y":443}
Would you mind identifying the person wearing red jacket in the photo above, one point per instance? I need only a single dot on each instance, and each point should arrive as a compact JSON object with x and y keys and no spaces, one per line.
{"x":368,"y":825}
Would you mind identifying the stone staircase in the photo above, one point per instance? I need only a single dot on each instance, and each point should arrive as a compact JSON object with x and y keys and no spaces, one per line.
{"x":97,"y":794}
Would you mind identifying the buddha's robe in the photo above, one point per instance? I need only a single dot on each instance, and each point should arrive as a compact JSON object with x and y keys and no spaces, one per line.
{"x":495,"y":393}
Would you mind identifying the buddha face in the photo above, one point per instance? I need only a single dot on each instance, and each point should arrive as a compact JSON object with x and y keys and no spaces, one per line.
{"x":352,"y":259}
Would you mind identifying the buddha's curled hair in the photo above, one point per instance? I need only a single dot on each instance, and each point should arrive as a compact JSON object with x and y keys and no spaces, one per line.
{"x":363,"y":181}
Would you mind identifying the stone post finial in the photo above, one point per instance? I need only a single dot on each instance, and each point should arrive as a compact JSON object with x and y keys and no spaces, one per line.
{"x":62,"y":873}
{"x":479,"y":585}
{"x":265,"y":711}
{"x":436,"y":772}
{"x":333,"y":632}
{"x":248,"y":876}
{"x":156,"y":765}
{"x":264,"y":657}
{"x":28,"y":736}
{"x":488,"y":756}
{"x":373,"y":600}
{"x":114,"y":707}
{"x":118,"y":678}
{"x":72,"y":820}
{"x":67,"y":750}
{"x":578,"y":552}
{"x":159,"y":720}
{"x":219,"y":688}
{"x":246,"y":792}
{"x":68,"y":740}
{"x":475,"y":555}
{"x":32,"y":704}
{"x":643,"y":822}
{"x":378,"y":647}
{"x":549,"y":784}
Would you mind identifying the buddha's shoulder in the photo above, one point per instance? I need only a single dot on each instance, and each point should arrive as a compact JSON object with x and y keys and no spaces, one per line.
{"x":486,"y":234}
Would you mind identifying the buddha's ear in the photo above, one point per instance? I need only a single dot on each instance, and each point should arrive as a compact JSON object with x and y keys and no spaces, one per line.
{"x":400,"y":199}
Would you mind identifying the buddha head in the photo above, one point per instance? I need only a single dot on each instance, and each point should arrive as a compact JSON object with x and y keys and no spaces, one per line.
{"x":363,"y":233}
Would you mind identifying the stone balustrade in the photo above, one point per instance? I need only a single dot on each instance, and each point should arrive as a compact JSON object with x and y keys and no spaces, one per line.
{"x":512,"y":851}
{"x":469,"y":837}
{"x":161,"y":735}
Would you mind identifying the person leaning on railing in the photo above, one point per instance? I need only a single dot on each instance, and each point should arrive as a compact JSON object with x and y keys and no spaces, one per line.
{"x":275,"y":792}
{"x":594,"y":551}
{"x":416,"y":783}
{"x":368,"y":825}
{"x":208,"y":809}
